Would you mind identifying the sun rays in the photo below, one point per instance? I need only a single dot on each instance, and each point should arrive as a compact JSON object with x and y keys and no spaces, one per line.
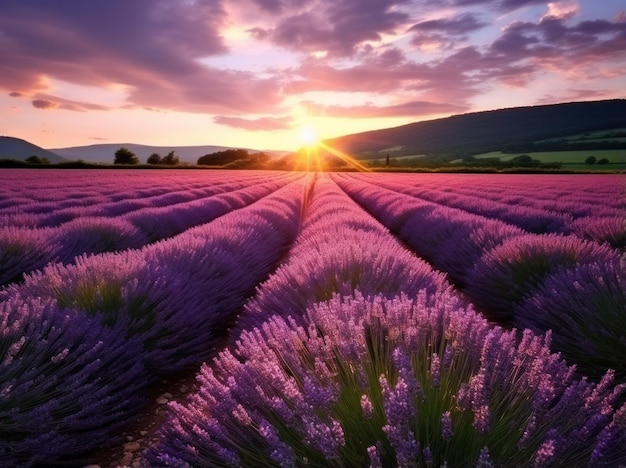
{"x":316,"y":155}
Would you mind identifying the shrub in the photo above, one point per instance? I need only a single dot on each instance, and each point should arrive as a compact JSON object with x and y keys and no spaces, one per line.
{"x":609,"y":229}
{"x":391,"y":382}
{"x":23,"y":249}
{"x":586,"y":310}
{"x":91,"y":235}
{"x":505,"y":274}
{"x":67,"y":384}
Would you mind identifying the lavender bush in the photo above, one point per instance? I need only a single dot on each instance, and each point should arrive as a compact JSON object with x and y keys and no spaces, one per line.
{"x":67,"y":383}
{"x":505,"y":274}
{"x":22,"y":250}
{"x":585,"y":308}
{"x":91,"y":235}
{"x":601,"y":229}
{"x":392,"y":382}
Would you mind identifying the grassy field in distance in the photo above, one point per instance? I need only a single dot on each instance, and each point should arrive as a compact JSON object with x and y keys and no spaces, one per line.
{"x":569,"y":159}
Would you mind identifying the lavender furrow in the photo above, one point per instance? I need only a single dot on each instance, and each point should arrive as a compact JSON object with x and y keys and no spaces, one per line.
{"x":69,"y":185}
{"x":23,"y":250}
{"x":165,"y":308}
{"x":451,"y":239}
{"x":54,"y":212}
{"x":499,"y":268}
{"x":340,"y":248}
{"x":571,"y":214}
{"x":340,"y":360}
{"x":553,"y":192}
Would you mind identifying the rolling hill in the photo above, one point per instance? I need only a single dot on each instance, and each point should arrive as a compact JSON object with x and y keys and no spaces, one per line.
{"x":20,"y":150}
{"x":482,"y":132}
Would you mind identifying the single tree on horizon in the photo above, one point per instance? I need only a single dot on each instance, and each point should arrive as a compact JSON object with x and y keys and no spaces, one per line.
{"x":154,"y":158}
{"x":171,"y":159}
{"x":125,"y":156}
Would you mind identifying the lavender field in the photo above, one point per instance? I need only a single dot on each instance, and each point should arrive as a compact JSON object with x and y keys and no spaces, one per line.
{"x":331,"y":319}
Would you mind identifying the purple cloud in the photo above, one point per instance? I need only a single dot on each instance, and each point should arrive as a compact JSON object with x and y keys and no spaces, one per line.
{"x":338,"y":28}
{"x":445,"y":31}
{"x":151,"y":46}
{"x":43,"y":101}
{"x":408,"y":109}
{"x":458,"y":26}
{"x":552,"y":39}
{"x":43,"y":104}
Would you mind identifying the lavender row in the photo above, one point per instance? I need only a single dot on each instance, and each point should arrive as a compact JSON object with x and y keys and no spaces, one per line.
{"x":81,"y":202}
{"x":159,"y":310}
{"x":369,"y":380}
{"x":575,"y":194}
{"x":499,"y":267}
{"x":340,"y":248}
{"x":451,"y":239}
{"x":54,"y":189}
{"x":370,"y":375}
{"x":23,"y":250}
{"x":586,"y":215}
{"x":63,"y":186}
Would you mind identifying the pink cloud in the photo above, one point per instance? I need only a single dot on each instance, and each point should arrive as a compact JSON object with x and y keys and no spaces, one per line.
{"x":261,"y":124}
{"x":43,"y":104}
{"x":43,"y":101}
{"x":407,"y":109}
{"x":562,"y":10}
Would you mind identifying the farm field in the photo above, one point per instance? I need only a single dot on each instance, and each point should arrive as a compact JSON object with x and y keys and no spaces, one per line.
{"x":570,"y":159}
{"x":330,"y":319}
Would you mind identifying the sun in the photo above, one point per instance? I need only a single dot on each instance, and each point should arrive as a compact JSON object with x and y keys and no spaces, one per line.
{"x":308,"y":135}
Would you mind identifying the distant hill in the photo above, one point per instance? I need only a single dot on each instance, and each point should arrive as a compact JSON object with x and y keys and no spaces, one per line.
{"x":105,"y":153}
{"x":482,"y":132}
{"x":20,"y":150}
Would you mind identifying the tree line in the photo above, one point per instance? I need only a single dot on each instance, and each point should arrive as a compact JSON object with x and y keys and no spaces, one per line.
{"x":126,"y":156}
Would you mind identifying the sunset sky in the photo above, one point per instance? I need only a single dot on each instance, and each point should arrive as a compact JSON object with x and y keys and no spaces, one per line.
{"x":253,"y":73}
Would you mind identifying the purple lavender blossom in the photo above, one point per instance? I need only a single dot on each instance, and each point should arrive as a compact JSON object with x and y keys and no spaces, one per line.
{"x":67,"y":386}
{"x":506,"y":378}
{"x":435,"y":371}
{"x":446,"y":426}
